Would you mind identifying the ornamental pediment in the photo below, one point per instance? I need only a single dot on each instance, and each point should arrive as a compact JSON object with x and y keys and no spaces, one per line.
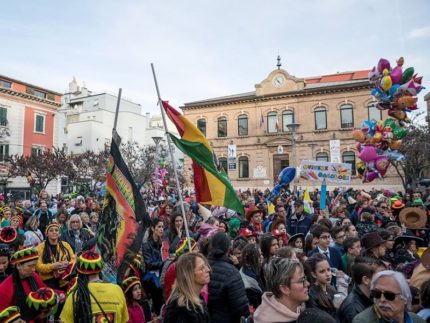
{"x":279,"y":81}
{"x":278,"y":141}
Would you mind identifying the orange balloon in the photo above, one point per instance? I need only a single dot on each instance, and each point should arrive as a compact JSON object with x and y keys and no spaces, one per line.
{"x":358,"y":135}
{"x":395,"y":145}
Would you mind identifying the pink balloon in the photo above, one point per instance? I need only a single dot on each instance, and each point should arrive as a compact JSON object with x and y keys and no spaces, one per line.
{"x":381,"y":164}
{"x":368,"y":154}
{"x":370,"y":176}
{"x":396,"y":75}
{"x":383,"y":64}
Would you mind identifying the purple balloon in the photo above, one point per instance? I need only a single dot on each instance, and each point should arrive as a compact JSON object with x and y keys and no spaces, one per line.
{"x":368,"y":154}
{"x":396,"y":74}
{"x":383,"y":64}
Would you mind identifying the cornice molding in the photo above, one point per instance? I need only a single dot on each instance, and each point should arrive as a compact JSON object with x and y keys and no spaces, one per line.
{"x":29,"y":97}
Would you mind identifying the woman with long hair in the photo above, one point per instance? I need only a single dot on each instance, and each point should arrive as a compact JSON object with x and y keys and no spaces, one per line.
{"x":154,"y":263}
{"x":62,"y":217}
{"x":92,"y":300}
{"x":33,"y":236}
{"x":321,"y":293}
{"x":176,"y":230}
{"x":250,"y":272}
{"x":185,"y":305}
{"x":54,"y":257}
{"x":133,"y":293}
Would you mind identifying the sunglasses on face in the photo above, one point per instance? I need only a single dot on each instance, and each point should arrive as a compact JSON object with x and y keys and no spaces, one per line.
{"x":389,"y":296}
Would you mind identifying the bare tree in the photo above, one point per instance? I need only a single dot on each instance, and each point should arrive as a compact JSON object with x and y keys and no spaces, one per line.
{"x":416,"y":149}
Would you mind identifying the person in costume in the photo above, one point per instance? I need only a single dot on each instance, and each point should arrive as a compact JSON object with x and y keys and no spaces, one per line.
{"x":24,"y":280}
{"x":54,"y":257}
{"x":92,"y":300}
{"x":132,"y":288}
{"x":43,"y":303}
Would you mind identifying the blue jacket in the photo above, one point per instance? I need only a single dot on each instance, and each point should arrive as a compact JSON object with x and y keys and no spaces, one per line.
{"x":335,"y":258}
{"x":302,"y":225}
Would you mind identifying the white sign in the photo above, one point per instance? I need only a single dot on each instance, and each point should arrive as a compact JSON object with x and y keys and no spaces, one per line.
{"x":280,"y":149}
{"x":335,"y":151}
{"x":260,"y":172}
{"x":231,"y":151}
{"x":320,"y":171}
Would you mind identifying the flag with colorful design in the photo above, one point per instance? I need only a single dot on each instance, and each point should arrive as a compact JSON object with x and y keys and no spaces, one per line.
{"x":212,"y":186}
{"x":124,"y":216}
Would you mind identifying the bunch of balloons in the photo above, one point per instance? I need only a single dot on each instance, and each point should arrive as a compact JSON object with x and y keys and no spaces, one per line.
{"x":395,"y":90}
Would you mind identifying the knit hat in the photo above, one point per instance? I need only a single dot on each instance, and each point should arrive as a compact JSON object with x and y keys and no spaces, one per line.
{"x":50,"y":225}
{"x":89,"y":263}
{"x":24,"y":255}
{"x":219,"y":244}
{"x":129,"y":283}
{"x":42,"y":300}
{"x":10,"y":314}
{"x":182,"y":246}
{"x":136,"y":264}
{"x":8,"y":235}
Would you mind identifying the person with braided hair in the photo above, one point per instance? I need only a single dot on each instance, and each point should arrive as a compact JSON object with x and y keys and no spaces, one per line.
{"x":24,"y":280}
{"x":54,"y":257}
{"x":92,"y":300}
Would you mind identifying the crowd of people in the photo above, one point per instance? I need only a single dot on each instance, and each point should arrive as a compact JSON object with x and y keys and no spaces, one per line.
{"x":363,"y":258}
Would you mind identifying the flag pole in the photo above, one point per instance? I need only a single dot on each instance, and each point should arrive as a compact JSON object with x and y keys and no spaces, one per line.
{"x":178,"y":187}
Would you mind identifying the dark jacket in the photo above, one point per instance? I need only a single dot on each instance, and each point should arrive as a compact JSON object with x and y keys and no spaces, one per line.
{"x":69,"y":237}
{"x":335,"y":258}
{"x":314,"y":302}
{"x":253,"y":286}
{"x":152,"y":255}
{"x":299,"y":225}
{"x":364,"y":228}
{"x":355,"y":303}
{"x":227,"y":296}
{"x":180,"y":314}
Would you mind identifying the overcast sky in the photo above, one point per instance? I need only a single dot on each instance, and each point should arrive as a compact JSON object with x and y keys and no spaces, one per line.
{"x":204,"y":49}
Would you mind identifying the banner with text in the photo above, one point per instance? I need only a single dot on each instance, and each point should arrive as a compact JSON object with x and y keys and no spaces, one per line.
{"x":320,"y":171}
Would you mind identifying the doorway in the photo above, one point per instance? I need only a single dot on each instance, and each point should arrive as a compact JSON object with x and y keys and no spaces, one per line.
{"x":280,"y":161}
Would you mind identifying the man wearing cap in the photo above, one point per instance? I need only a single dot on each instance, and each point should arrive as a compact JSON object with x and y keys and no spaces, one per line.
{"x":300,"y":221}
{"x":392,"y":300}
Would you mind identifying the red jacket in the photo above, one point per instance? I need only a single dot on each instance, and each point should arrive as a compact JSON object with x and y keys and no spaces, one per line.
{"x":7,"y":290}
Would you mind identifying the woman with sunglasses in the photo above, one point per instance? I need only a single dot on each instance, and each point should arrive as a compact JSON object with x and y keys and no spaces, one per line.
{"x":185,"y":304}
{"x":287,"y":288}
{"x":321,"y":293}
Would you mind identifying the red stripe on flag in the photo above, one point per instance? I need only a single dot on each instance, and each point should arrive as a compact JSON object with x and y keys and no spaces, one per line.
{"x":174,"y":117}
{"x":201,"y":185}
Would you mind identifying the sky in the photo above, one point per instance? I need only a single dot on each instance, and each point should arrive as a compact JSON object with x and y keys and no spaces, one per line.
{"x":204,"y":49}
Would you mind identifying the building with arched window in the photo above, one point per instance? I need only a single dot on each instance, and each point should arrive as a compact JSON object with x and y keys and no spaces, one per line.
{"x":325,"y":107}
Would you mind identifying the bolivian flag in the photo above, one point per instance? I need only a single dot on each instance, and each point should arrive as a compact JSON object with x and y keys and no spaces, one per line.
{"x":212,"y":186}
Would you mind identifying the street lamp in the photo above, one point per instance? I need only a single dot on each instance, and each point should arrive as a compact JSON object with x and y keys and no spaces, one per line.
{"x":293,"y":128}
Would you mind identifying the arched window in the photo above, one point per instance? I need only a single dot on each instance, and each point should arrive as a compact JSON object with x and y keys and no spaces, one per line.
{"x":322,"y":157}
{"x":222,"y":127}
{"x":349,"y":157}
{"x":287,"y":118}
{"x":243,"y":167}
{"x":272,"y":122}
{"x":201,"y":124}
{"x":374,"y":112}
{"x":242,"y":125}
{"x":222,"y":161}
{"x":346,"y":116}
{"x":320,"y":118}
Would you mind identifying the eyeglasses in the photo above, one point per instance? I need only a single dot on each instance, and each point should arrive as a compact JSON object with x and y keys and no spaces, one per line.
{"x":302,"y":281}
{"x":389,"y":296}
{"x":204,"y":267}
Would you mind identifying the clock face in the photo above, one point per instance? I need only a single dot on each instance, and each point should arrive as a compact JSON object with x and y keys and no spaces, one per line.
{"x":278,"y":81}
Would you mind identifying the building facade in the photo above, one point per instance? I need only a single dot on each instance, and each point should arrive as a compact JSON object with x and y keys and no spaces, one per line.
{"x":256,"y":126}
{"x":27,"y":122}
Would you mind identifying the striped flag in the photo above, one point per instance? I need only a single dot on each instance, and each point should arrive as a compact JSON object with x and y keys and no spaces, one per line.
{"x":211,"y":185}
{"x":277,"y":123}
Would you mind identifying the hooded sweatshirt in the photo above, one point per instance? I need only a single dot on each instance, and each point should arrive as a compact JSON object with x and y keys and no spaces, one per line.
{"x":272,"y":311}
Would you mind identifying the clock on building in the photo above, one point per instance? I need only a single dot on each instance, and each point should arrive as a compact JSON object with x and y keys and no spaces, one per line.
{"x":278,"y":81}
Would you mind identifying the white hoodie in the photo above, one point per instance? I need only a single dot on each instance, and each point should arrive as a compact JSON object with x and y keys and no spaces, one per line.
{"x":272,"y":311}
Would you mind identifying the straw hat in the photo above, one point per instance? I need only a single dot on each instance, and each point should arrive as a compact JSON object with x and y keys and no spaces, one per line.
{"x":413,"y":218}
